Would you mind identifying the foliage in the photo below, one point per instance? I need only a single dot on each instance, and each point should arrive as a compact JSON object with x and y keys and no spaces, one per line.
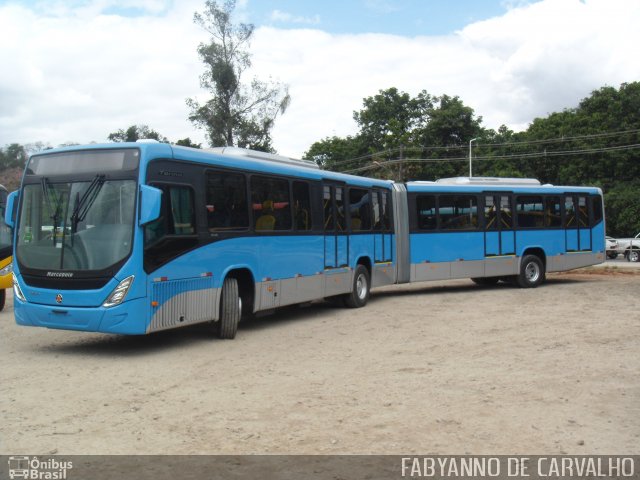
{"x":187,"y":142}
{"x":396,"y":131}
{"x":427,"y":137}
{"x":136,"y":132}
{"x":236,"y":114}
{"x":13,"y":155}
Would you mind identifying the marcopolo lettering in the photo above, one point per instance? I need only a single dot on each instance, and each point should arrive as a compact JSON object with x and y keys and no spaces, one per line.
{"x":60,"y":274}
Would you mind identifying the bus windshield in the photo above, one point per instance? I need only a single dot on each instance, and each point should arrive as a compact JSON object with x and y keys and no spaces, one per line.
{"x":86,"y":225}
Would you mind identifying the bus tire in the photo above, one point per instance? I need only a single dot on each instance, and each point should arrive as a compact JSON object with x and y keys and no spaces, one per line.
{"x":230,"y":309}
{"x":3,"y":297}
{"x":486,"y":281}
{"x":531,"y":272}
{"x":360,"y":289}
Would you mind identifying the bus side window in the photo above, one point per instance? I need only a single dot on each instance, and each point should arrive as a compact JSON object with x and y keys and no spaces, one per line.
{"x":360,"y":209}
{"x":182,"y":213}
{"x":458,"y":212}
{"x":427,"y":218}
{"x":301,"y":206}
{"x":271,"y":203}
{"x":530,"y":211}
{"x":226,"y":199}
{"x":177,"y":215}
{"x":553,"y":212}
{"x":596,"y":209}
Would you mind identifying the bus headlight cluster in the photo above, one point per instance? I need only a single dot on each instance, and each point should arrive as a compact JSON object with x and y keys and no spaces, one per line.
{"x":118,"y":294}
{"x":16,"y":289}
{"x":6,"y":270}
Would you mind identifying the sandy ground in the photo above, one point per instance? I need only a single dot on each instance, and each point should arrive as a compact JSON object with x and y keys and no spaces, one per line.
{"x":444,"y":367}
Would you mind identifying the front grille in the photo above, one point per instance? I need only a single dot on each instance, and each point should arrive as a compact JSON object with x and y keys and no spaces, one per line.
{"x":75,"y":283}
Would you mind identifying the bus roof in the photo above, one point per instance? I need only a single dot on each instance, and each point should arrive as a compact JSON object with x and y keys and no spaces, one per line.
{"x":257,"y":162}
{"x":527,"y":187}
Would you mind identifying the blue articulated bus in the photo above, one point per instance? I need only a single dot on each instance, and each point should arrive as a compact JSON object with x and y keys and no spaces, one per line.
{"x":133,"y":238}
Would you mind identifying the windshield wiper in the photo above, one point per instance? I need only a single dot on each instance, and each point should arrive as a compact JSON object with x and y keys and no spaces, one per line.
{"x":52,"y":203}
{"x":83,"y":204}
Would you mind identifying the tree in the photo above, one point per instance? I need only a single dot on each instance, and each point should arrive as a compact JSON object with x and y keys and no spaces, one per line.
{"x":136,"y":132}
{"x":236,"y":114}
{"x":389,"y":118}
{"x":404,"y":137}
{"x":336,"y":153}
{"x":187,"y":142}
{"x":14,"y":155}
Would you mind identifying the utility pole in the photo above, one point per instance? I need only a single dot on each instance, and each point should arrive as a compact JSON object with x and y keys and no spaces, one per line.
{"x":400,"y":172}
{"x":471,"y":157}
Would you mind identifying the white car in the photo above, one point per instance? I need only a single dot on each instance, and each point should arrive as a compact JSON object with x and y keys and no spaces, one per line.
{"x":611,"y":247}
{"x":630,"y":247}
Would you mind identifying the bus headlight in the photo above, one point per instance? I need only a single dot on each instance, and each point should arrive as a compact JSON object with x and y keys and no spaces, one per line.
{"x":118,"y":294}
{"x":16,"y":289}
{"x":6,"y":270}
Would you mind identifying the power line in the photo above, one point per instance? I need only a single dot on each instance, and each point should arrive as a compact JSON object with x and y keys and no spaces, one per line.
{"x":526,"y":156}
{"x":391,"y":151}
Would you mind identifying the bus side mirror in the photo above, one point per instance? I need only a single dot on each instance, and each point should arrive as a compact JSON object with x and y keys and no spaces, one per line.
{"x":150,"y":202}
{"x":9,"y":212}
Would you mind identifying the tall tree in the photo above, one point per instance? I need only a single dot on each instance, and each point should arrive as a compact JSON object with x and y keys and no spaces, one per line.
{"x":237,"y":114}
{"x":389,"y":118}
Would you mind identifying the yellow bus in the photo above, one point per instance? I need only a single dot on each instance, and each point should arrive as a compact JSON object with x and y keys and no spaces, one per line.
{"x":5,"y":250}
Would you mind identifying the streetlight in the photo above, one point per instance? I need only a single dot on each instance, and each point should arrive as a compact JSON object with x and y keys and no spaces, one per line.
{"x":471,"y":157}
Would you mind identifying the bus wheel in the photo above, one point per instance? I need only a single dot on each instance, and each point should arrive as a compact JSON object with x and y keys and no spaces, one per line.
{"x":230,"y":309}
{"x":532,"y":272}
{"x":3,"y":296}
{"x":486,"y":281}
{"x":360,"y":291}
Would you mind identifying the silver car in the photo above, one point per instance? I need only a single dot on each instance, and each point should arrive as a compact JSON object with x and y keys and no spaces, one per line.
{"x":612,"y":247}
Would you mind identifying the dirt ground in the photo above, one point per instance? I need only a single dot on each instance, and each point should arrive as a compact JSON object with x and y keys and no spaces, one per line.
{"x":443,"y":367}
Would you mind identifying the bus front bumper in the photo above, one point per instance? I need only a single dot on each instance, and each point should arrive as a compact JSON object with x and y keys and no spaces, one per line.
{"x":129,"y":318}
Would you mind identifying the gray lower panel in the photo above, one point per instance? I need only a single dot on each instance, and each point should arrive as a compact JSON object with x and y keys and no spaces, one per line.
{"x":383,"y":274}
{"x":269,"y":294}
{"x":467,"y":269}
{"x":337,"y":282}
{"x":309,"y":288}
{"x":421,"y":272}
{"x":569,"y":261}
{"x":289,"y":291}
{"x":501,"y":266}
{"x":182,"y":308}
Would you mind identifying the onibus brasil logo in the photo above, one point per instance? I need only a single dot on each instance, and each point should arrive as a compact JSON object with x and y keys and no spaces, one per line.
{"x":36,"y":469}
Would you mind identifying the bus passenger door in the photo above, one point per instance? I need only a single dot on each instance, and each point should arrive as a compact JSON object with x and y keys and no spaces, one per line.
{"x":378,"y":234}
{"x":342,"y":238}
{"x":576,"y":223}
{"x":584,"y":225}
{"x":499,"y":235}
{"x":336,"y":241}
{"x":382,"y":226}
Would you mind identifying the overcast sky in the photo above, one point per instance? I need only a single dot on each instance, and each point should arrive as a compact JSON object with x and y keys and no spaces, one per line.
{"x":75,"y":71}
